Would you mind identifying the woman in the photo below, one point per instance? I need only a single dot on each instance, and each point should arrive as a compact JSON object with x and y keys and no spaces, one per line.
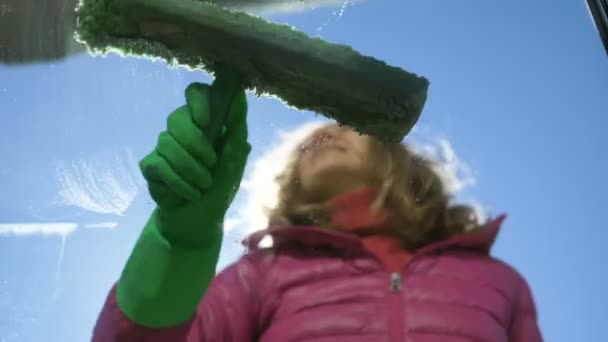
{"x":366,"y":247}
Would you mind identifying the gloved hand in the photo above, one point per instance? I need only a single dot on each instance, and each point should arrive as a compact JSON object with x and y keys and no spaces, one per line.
{"x":193,"y":182}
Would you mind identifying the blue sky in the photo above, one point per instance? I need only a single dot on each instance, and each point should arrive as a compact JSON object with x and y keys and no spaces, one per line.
{"x":518,"y":89}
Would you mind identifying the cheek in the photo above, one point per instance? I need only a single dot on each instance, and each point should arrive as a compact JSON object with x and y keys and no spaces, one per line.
{"x":376,"y":162}
{"x":302,"y":168}
{"x":301,"y":162}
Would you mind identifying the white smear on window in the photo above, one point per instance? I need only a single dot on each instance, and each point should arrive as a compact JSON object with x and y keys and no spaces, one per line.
{"x":102,"y":225}
{"x":279,"y":6}
{"x":59,"y":267}
{"x":343,"y":8}
{"x":60,"y":229}
{"x":335,"y":14}
{"x":46,"y":229}
{"x":104,"y":184}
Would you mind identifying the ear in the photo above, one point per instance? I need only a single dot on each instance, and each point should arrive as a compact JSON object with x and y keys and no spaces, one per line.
{"x":461,"y":218}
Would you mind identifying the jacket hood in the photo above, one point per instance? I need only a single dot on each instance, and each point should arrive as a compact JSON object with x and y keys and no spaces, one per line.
{"x":351,"y":211}
{"x":481,"y":240}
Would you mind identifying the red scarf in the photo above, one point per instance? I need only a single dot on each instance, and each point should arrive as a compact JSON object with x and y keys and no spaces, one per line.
{"x":352,"y":212}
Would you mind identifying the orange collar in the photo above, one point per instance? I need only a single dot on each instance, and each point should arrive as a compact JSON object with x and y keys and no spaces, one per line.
{"x":351,"y":212}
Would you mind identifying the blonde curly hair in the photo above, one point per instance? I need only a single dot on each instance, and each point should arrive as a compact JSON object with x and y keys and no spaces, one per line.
{"x":407,"y":186}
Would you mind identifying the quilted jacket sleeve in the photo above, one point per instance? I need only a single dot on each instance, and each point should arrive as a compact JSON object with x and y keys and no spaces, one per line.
{"x":230,"y":310}
{"x":524,"y":326}
{"x":227,"y":313}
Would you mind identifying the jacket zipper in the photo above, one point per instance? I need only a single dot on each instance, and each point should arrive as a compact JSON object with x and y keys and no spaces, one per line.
{"x":396,"y":310}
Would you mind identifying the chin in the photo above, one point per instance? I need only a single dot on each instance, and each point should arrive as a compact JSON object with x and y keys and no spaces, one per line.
{"x":332,"y":161}
{"x":330,"y":181}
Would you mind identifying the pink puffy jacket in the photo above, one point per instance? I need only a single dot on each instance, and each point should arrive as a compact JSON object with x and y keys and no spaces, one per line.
{"x":324,"y":286}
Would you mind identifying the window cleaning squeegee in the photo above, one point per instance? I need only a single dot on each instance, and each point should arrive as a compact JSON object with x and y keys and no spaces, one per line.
{"x":243,"y":50}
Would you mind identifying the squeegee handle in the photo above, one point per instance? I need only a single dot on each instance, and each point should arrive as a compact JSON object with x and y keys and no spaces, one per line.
{"x":226,"y":85}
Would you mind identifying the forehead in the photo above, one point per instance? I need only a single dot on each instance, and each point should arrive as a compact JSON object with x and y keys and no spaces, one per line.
{"x":342,"y":132}
{"x":334,"y":127}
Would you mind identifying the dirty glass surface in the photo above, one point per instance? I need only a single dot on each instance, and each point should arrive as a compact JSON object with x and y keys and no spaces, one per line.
{"x":516,"y":112}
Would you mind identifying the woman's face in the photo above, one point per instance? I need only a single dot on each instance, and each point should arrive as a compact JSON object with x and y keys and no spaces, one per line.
{"x":332,"y":161}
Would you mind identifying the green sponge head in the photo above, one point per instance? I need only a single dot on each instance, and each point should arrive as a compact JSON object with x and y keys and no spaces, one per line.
{"x":305,"y":73}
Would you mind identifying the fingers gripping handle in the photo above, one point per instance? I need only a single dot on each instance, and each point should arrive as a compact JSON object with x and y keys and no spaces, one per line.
{"x":226,"y":85}
{"x":163,"y":182}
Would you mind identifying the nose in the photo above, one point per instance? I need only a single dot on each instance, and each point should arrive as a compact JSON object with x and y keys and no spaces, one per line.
{"x":323,"y":136}
{"x":335,"y":132}
{"x":332,"y":133}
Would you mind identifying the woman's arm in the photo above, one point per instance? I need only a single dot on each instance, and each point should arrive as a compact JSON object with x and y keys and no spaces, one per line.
{"x":228,"y":312}
{"x":193,"y":180}
{"x":524,"y":327}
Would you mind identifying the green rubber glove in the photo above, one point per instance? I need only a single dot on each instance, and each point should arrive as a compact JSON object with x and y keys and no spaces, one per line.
{"x":193,"y":183}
